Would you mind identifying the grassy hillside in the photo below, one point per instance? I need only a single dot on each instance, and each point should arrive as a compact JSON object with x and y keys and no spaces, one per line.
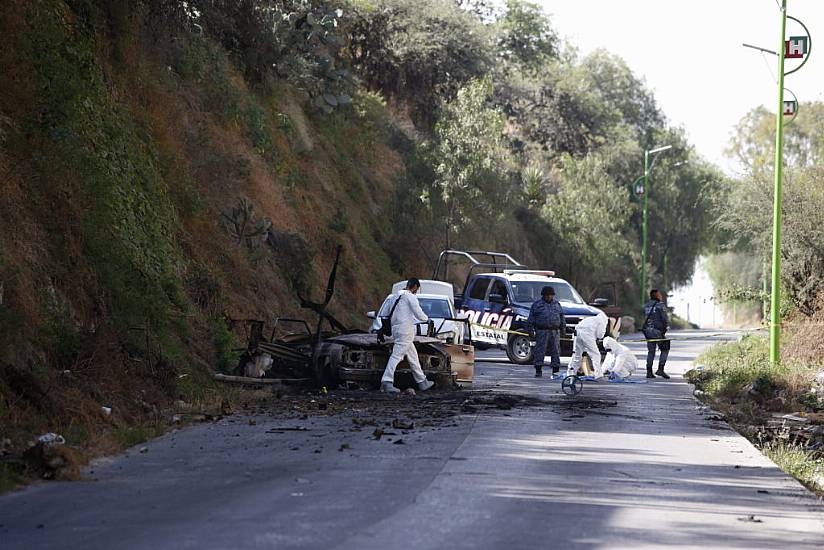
{"x":129,"y":158}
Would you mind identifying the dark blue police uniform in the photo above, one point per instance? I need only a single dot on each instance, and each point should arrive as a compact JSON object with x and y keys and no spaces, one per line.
{"x":655,"y":328}
{"x":547,"y":320}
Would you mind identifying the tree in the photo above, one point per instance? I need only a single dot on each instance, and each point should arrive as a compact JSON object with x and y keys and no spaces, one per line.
{"x":753,"y":143}
{"x":526,"y":38}
{"x":470,"y":158}
{"x":418,"y":52}
{"x":588,"y":215}
{"x":746,"y":218}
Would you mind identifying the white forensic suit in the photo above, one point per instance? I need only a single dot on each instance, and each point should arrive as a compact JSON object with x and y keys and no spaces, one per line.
{"x":407,"y":313}
{"x":621,"y":361}
{"x":587,"y":333}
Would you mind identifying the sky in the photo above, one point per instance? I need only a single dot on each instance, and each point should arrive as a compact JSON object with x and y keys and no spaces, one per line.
{"x":690,"y":55}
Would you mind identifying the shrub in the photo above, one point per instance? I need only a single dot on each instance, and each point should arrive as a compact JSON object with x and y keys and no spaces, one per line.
{"x":225,"y":346}
{"x":741,"y":371}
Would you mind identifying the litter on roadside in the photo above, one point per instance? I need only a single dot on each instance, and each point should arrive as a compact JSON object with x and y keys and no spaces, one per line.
{"x":51,"y":438}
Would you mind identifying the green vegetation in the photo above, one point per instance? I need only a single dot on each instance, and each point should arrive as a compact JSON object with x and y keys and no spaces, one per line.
{"x":739,"y":381}
{"x":745,"y":222}
{"x":797,"y":462}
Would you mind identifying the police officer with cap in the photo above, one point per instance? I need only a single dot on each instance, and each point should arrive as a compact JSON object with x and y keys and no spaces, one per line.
{"x":546,"y":322}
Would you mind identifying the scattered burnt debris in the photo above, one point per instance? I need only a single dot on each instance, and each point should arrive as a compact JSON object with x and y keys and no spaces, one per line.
{"x":376,"y":412}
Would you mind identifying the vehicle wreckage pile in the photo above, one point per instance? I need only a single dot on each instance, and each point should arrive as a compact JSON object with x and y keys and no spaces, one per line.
{"x":331,"y":355}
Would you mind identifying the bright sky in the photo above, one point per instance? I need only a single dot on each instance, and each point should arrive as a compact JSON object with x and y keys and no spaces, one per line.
{"x":691,"y":56}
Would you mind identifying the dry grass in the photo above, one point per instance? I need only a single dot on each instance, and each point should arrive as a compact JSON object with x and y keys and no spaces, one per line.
{"x":802,"y":337}
{"x":797,"y":462}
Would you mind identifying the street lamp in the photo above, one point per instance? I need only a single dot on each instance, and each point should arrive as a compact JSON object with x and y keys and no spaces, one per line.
{"x":645,"y":189}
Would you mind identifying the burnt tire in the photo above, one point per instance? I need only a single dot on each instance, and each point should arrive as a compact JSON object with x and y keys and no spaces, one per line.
{"x":519,"y":349}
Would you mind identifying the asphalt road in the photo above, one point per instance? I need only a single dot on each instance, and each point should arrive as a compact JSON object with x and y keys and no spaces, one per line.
{"x":620,"y":466}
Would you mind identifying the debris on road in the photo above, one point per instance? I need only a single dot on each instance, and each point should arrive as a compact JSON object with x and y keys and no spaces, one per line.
{"x":403,"y":425}
{"x":751,"y":519}
{"x":50,"y":458}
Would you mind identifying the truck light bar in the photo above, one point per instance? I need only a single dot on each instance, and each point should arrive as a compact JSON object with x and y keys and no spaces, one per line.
{"x":529,"y":272}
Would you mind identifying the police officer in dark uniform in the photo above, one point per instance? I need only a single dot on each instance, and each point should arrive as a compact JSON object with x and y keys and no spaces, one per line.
{"x":655,"y":328}
{"x":546,"y":321}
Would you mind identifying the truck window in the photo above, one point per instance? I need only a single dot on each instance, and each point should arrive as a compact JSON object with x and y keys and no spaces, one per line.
{"x":499,"y":287}
{"x":479,"y":286}
{"x":529,"y":291}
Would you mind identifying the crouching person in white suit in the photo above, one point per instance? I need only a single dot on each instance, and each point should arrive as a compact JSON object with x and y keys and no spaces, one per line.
{"x":406,"y":313}
{"x":622,"y":362}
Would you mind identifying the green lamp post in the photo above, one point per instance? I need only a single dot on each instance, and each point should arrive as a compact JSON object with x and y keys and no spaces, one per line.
{"x":645,"y":190}
{"x":797,"y":47}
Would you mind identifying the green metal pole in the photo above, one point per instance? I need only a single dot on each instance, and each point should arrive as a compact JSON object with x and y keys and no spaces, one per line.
{"x":644,"y":231}
{"x":765,"y":309}
{"x":775,"y":298}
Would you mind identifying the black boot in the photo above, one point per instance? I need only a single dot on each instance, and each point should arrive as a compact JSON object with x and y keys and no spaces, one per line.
{"x":660,"y":372}
{"x":539,"y":373}
{"x":649,"y":373}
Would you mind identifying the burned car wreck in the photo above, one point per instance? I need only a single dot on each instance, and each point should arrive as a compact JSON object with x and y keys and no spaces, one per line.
{"x":332,"y":354}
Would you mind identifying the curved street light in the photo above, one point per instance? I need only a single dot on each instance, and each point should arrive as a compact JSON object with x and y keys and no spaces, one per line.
{"x":645,"y":190}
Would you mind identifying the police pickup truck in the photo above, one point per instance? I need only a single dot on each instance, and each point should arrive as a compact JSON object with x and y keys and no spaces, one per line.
{"x":497,"y":300}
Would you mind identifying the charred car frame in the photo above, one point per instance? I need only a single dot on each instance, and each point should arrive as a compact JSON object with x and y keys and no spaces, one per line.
{"x":332,"y":354}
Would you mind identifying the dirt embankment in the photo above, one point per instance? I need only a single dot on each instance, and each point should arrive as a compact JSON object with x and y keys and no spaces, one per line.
{"x":147,"y":194}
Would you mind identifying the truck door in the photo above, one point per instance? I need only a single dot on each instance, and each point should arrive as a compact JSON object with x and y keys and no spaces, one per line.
{"x":475,"y":295}
{"x":475,"y":307}
{"x":498,"y":297}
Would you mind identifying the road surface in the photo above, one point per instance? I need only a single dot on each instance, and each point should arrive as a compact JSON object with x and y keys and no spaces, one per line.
{"x":620,"y":466}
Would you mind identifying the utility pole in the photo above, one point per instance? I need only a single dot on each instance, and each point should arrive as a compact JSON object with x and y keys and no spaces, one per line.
{"x":775,"y":298}
{"x":643,"y":285}
{"x":645,"y":190}
{"x":765,"y":309}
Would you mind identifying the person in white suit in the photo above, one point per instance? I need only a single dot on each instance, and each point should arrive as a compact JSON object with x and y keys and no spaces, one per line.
{"x":587,"y":333}
{"x":406,"y":313}
{"x":622,"y":362}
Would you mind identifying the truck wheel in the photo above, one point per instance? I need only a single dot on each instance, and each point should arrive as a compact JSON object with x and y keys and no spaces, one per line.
{"x":519,"y":350}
